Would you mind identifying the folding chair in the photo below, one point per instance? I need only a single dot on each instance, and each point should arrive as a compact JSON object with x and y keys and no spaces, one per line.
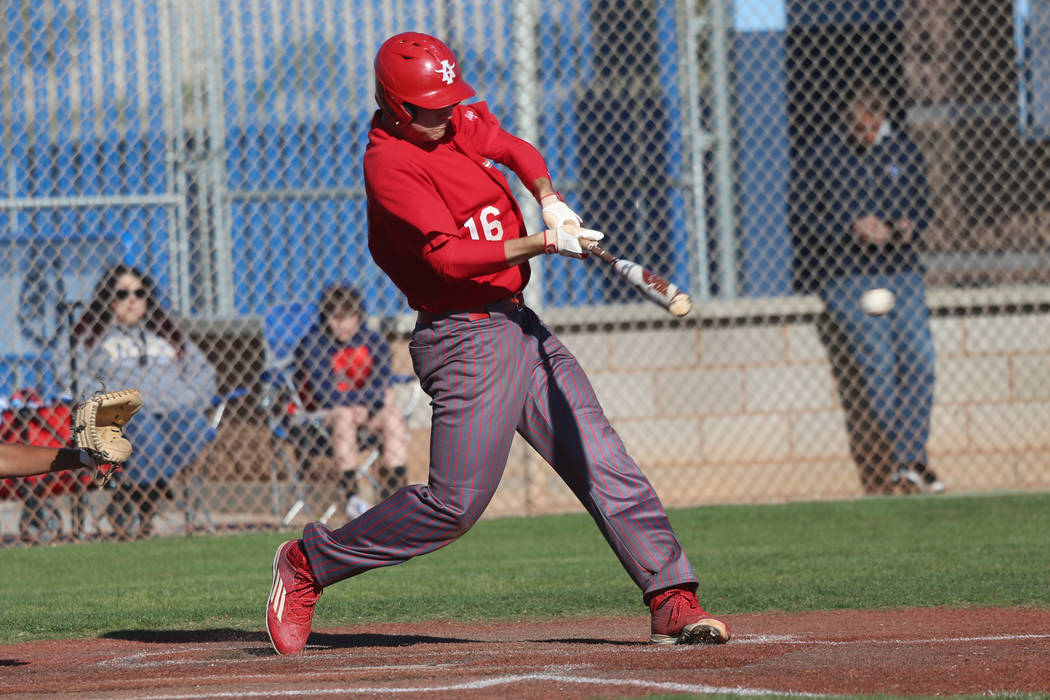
{"x":26,"y":418}
{"x":289,"y":420}
{"x":181,"y":493}
{"x":283,"y":327}
{"x":194,"y":504}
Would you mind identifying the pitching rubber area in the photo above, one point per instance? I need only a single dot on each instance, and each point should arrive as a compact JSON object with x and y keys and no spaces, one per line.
{"x":893,"y":652}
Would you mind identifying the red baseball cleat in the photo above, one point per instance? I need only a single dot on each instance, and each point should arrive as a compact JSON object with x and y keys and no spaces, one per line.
{"x":679,"y":619}
{"x":290,"y":609}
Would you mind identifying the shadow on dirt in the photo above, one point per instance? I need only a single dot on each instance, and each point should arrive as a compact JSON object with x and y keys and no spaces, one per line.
{"x":317,"y":639}
{"x":591,"y":640}
{"x":351,"y":641}
{"x":186,"y":636}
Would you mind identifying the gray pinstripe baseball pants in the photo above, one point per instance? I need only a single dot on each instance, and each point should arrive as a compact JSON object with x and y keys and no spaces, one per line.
{"x":487,"y":379}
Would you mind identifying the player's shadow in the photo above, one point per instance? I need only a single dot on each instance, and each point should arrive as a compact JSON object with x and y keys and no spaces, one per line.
{"x":593,"y":641}
{"x":333,"y":640}
{"x":186,"y":636}
{"x":8,"y":663}
{"x":323,"y":639}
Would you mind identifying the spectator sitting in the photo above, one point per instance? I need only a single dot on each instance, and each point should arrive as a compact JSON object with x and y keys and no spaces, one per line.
{"x":125,"y":338}
{"x":344,"y":369}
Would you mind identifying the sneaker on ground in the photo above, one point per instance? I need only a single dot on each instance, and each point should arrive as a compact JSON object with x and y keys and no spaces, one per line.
{"x":931,"y":484}
{"x":920,"y":477}
{"x":356,"y":506}
{"x":908,"y":479}
{"x":290,"y":609}
{"x":677,"y":618}
{"x":904,"y":474}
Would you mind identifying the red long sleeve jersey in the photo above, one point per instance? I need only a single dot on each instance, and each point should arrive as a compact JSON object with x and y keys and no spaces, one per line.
{"x":438,"y":214}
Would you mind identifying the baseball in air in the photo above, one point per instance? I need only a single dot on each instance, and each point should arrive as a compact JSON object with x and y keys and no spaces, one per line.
{"x":877,"y":302}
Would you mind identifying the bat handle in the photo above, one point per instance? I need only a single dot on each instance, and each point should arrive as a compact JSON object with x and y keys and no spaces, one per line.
{"x":593,"y":247}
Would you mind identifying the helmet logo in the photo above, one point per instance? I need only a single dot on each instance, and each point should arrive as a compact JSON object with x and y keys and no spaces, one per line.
{"x":448,"y":71}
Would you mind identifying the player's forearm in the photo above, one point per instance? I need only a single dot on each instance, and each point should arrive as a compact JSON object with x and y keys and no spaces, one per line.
{"x":542,"y":187}
{"x":519,"y":250}
{"x":28,"y":460}
{"x":463,"y":259}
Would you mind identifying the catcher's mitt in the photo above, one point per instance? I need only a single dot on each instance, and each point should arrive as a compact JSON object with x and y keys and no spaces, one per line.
{"x":97,"y":425}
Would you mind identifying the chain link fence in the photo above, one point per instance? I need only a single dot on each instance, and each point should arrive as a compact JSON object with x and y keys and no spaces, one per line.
{"x":182,"y":210}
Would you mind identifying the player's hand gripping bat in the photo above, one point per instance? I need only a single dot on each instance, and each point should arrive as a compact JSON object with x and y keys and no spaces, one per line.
{"x":652,"y":286}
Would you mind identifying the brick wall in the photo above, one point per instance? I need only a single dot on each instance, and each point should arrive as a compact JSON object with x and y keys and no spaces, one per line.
{"x":738,"y":403}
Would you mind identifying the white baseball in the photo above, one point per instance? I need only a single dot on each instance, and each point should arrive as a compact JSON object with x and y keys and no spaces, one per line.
{"x":877,"y":301}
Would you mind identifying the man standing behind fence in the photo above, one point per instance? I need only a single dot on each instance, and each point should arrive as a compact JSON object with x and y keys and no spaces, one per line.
{"x":861,"y":203}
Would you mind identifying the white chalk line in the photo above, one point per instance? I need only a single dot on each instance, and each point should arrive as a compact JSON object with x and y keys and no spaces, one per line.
{"x":490,"y":683}
{"x":138,"y":660}
{"x":801,"y":641}
{"x":512,"y":679}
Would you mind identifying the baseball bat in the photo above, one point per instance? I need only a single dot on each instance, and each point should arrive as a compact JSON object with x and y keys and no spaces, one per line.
{"x":652,"y":286}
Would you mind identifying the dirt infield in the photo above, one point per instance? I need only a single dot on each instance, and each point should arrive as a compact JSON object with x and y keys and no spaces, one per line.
{"x":895,"y":652}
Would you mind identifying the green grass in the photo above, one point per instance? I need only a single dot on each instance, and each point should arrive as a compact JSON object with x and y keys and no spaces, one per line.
{"x":883,"y":552}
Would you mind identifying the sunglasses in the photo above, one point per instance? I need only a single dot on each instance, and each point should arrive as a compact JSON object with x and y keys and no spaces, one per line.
{"x":123,"y":294}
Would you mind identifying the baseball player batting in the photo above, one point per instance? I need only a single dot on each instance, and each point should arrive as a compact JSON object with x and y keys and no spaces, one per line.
{"x":444,"y":225}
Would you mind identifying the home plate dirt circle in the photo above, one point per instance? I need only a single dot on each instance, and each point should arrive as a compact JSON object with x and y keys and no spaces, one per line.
{"x":894,"y":652}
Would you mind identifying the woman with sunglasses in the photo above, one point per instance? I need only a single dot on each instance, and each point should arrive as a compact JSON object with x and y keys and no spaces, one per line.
{"x":126,"y":338}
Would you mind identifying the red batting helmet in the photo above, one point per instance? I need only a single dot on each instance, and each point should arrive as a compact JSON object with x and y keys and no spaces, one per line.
{"x":417,"y":69}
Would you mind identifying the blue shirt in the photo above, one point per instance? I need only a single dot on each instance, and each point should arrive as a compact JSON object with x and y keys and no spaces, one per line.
{"x":331,"y":373}
{"x":836,"y":184}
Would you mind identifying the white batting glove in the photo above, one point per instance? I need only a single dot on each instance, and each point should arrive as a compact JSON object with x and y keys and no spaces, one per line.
{"x":555,"y":212}
{"x":565,"y":240}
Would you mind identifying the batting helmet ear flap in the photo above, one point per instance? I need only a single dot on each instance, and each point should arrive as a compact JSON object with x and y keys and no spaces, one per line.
{"x":397,"y":117}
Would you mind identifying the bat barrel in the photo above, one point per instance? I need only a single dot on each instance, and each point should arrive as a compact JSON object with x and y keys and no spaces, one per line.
{"x":653,"y":287}
{"x":680,"y":304}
